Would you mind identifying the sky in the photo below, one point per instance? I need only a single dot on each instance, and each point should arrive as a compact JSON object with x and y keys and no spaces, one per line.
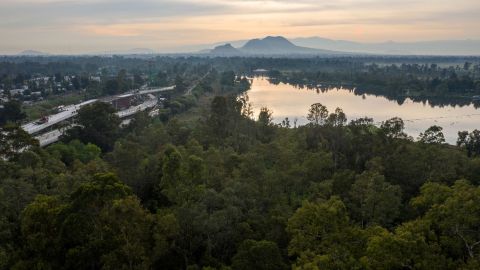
{"x":93,"y":26}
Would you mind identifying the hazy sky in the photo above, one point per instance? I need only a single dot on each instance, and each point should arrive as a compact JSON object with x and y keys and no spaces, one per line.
{"x":75,"y":26}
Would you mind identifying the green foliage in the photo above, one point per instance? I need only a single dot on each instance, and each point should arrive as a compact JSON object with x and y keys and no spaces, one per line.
{"x":321,"y":236}
{"x":14,"y":139}
{"x":75,"y":150}
{"x":229,"y":192}
{"x":317,"y":114}
{"x":470,"y":141}
{"x":227,"y":78}
{"x":265,"y":130}
{"x":432,"y":135}
{"x":393,"y":128}
{"x":258,"y":255}
{"x":97,"y":124}
{"x":11,"y":112}
{"x":375,"y":201}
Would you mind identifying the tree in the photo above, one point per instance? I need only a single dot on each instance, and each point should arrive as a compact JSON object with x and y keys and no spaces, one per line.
{"x":100,"y":225}
{"x":171,"y":178}
{"x":265,"y":130}
{"x":104,"y":226}
{"x":11,"y":112}
{"x":161,"y":78}
{"x":97,"y":124}
{"x":433,"y":135}
{"x":75,"y":150}
{"x":40,"y":226}
{"x":470,"y":141}
{"x":452,"y":214}
{"x":111,"y":87}
{"x":123,"y":83}
{"x":180,"y":85}
{"x":458,"y":217}
{"x":227,"y":78}
{"x":13,"y":140}
{"x":258,"y":255}
{"x":322,"y":238}
{"x":375,"y":201}
{"x":164,"y":233}
{"x":126,"y":225}
{"x":317,"y":114}
{"x":393,"y":128}
{"x":411,"y":246}
{"x":6,"y":235}
{"x":218,"y":117}
{"x":337,"y":119}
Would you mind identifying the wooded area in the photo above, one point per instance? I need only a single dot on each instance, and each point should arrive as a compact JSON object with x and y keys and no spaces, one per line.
{"x":208,"y":185}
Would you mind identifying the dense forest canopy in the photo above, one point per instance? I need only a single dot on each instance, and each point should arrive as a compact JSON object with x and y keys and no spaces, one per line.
{"x":207,"y":185}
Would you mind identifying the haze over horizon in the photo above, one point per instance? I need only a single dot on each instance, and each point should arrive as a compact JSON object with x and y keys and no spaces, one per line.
{"x":88,"y":26}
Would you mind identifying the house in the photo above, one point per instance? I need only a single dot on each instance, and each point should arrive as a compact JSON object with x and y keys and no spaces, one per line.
{"x":95,"y":78}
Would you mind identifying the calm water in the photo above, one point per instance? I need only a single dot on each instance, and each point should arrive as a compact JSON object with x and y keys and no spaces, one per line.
{"x":287,"y":101}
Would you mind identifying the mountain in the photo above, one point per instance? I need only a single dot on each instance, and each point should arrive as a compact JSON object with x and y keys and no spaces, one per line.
{"x":266,"y":46}
{"x":32,"y":53}
{"x":139,"y":51}
{"x":135,"y":51}
{"x":437,"y":47}
{"x":278,"y":45}
{"x":270,"y":45}
{"x":225,"y":50}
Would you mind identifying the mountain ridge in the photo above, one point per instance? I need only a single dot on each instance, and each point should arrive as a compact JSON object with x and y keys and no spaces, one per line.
{"x":460,"y":47}
{"x":433,"y":47}
{"x":32,"y":53}
{"x":270,"y":45}
{"x":225,"y":50}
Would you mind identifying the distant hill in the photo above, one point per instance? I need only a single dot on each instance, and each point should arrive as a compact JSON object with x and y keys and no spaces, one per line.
{"x":225,"y":50}
{"x":312,"y":45}
{"x":32,"y":53}
{"x":268,"y":46}
{"x":139,"y":51}
{"x":438,"y":47}
{"x":135,"y":51}
{"x":279,"y":45}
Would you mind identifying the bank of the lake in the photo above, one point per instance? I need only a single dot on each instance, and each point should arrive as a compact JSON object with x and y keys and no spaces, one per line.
{"x":288,"y":101}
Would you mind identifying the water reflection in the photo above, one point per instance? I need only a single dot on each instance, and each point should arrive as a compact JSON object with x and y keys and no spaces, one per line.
{"x":293,"y":102}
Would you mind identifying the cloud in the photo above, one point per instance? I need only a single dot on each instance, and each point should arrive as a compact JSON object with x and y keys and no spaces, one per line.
{"x":46,"y":24}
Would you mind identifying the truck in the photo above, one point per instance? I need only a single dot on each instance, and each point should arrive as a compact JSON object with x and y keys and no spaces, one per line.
{"x":42,"y":120}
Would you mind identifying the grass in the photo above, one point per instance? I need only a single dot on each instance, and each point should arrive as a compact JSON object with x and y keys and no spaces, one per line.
{"x":197,"y":112}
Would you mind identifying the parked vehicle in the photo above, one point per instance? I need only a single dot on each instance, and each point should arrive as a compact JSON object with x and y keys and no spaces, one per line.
{"x":42,"y":120}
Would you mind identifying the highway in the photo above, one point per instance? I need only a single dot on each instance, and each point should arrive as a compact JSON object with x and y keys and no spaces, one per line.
{"x":67,"y":113}
{"x":54,"y":135}
{"x":156,"y":90}
{"x":152,"y":102}
{"x":51,"y":137}
{"x":72,"y":110}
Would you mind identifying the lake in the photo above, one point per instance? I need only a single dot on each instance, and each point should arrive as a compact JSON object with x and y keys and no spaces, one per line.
{"x":285,"y":100}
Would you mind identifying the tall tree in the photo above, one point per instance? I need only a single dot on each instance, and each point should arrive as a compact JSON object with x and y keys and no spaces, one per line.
{"x":317,"y":114}
{"x":374,"y":200}
{"x":394,"y":128}
{"x":97,"y":124}
{"x":11,"y":112}
{"x":13,"y":140}
{"x":258,"y":255}
{"x":432,"y":135}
